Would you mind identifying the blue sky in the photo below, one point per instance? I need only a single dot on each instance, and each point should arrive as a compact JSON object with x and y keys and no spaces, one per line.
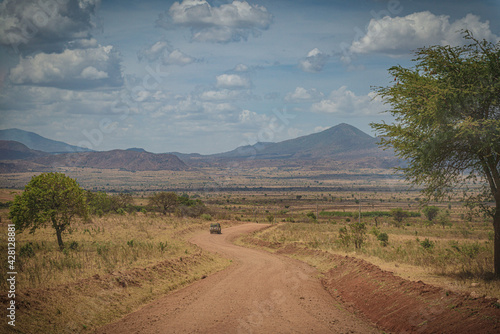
{"x":209,"y":76}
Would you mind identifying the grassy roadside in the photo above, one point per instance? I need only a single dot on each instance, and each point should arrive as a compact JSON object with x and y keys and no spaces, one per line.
{"x":110,"y":266}
{"x":459,"y":264}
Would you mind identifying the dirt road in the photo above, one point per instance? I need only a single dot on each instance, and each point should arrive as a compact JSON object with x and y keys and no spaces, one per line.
{"x":259,"y":293}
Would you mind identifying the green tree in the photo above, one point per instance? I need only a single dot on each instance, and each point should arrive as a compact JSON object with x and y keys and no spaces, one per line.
{"x":358,"y":234}
{"x":430,"y":212}
{"x":164,"y":201}
{"x":399,"y":215}
{"x":443,"y":218}
{"x":447,"y":123}
{"x":49,"y":198}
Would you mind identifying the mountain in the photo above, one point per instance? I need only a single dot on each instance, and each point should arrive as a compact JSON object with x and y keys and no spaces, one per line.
{"x":13,"y":150}
{"x":115,"y":159}
{"x":136,"y":149}
{"x":343,"y":140}
{"x":39,"y":143}
{"x":343,"y":146}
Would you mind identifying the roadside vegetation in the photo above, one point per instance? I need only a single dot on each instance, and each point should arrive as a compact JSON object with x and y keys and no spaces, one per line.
{"x":132,"y":251}
{"x":120,"y":253}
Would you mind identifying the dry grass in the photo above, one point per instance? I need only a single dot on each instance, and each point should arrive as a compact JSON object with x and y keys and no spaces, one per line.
{"x":110,"y":267}
{"x":462,"y":263}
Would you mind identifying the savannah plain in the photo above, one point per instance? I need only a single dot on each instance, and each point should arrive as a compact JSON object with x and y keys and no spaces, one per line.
{"x":137,"y":270}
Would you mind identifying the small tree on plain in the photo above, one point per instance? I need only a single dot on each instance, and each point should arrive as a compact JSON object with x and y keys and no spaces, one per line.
{"x":49,"y":198}
{"x":358,"y":234}
{"x":430,"y":212}
{"x":399,"y":215}
{"x":164,"y":201}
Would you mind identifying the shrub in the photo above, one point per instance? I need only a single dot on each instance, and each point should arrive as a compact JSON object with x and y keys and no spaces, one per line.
{"x":358,"y":231}
{"x":206,"y":216}
{"x":430,"y":212}
{"x":311,"y":215}
{"x":27,"y":250}
{"x":383,"y":238}
{"x":344,"y":237}
{"x":427,"y":244}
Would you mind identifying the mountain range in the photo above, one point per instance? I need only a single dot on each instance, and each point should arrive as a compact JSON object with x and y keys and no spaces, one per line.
{"x":39,"y":143}
{"x":339,"y":146}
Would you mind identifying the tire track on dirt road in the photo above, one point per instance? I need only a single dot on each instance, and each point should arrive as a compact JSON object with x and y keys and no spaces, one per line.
{"x":259,"y":293}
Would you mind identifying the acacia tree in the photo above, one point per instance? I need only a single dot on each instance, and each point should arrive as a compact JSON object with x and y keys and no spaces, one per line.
{"x":164,"y":201}
{"x":447,"y":123}
{"x":49,"y":198}
{"x":430,"y":212}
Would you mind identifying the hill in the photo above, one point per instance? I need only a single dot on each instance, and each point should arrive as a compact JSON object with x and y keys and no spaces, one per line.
{"x":341,"y":140}
{"x":342,"y":146}
{"x":12,"y":150}
{"x":115,"y":159}
{"x":39,"y":143}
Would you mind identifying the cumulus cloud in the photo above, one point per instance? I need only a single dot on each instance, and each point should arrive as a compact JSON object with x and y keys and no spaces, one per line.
{"x":169,"y":56}
{"x":223,"y":95}
{"x":241,"y":68}
{"x":226,"y":23}
{"x":344,"y":101}
{"x":399,"y":35}
{"x":314,"y":61}
{"x":28,"y":25}
{"x":304,"y":95}
{"x":232,"y":81}
{"x":79,"y":68}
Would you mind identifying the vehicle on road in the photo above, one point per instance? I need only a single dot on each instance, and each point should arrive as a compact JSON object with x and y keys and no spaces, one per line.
{"x":215,"y":228}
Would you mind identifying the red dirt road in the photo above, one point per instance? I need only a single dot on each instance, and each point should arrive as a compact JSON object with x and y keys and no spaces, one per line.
{"x":259,"y":293}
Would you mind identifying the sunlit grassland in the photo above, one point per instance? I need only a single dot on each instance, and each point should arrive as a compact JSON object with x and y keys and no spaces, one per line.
{"x":460,"y":255}
{"x":110,"y":266}
{"x":103,"y":246}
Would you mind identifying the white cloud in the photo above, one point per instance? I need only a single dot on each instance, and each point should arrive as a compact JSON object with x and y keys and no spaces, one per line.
{"x":344,"y":101}
{"x":45,"y":25}
{"x":92,"y":73}
{"x":314,"y":61}
{"x":163,"y":51}
{"x":154,"y":52}
{"x":251,"y":117}
{"x":303,"y":95}
{"x":232,"y":81}
{"x":241,"y":68}
{"x":222,"y":95}
{"x":228,"y":22}
{"x":177,"y":57}
{"x":399,"y":35}
{"x":80,"y":68}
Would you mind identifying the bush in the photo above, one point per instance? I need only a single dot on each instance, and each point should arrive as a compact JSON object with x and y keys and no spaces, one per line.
{"x":27,"y":250}
{"x":206,"y":216}
{"x":311,"y":215}
{"x":358,"y":231}
{"x":427,"y":244}
{"x":344,"y":237}
{"x":383,"y":238}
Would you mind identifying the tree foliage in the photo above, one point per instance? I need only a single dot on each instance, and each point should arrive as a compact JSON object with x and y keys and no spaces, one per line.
{"x":399,"y":215}
{"x":447,"y":122}
{"x":430,"y":212}
{"x":49,"y":198}
{"x":165,"y":202}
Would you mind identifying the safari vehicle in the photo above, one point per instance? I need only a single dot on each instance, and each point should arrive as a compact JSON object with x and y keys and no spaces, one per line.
{"x":215,"y":228}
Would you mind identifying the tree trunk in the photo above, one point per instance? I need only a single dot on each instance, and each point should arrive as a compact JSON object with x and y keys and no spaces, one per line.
{"x":59,"y":238}
{"x":496,"y":252}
